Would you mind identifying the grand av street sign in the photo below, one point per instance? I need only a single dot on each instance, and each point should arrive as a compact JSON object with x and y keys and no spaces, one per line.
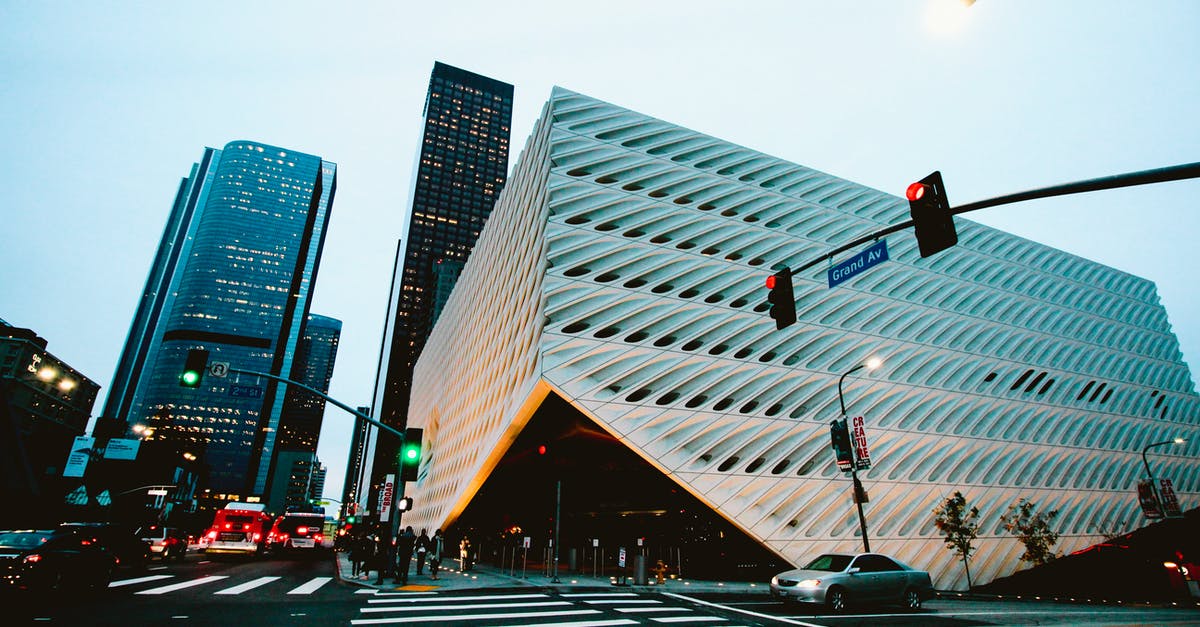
{"x":870,"y":257}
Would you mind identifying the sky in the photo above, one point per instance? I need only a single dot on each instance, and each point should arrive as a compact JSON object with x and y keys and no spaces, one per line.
{"x":104,"y":107}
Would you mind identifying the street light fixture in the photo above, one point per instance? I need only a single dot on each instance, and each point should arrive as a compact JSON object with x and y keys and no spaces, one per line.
{"x":870,"y":364}
{"x":1176,"y":440}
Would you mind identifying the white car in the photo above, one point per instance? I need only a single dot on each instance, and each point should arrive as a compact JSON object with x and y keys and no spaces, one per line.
{"x":835,"y":580}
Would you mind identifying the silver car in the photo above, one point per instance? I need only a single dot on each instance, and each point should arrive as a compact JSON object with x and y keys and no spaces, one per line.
{"x":837,"y":579}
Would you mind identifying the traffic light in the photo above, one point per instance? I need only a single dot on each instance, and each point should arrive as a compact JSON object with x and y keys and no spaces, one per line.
{"x":410,"y":455}
{"x":840,"y":436}
{"x":404,"y":504}
{"x":350,"y":520}
{"x":930,"y":211}
{"x":193,"y":368}
{"x":782,"y":299}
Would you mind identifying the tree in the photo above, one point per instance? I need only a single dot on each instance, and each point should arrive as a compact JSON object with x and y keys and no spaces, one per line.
{"x":960,"y":526}
{"x":1032,"y":528}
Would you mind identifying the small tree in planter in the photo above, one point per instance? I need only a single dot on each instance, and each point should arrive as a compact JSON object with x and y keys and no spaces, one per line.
{"x":1032,"y":528}
{"x":960,"y":525}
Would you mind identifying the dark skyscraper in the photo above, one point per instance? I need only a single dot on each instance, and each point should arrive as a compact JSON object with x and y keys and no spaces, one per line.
{"x":233,"y":275}
{"x":301,"y":423}
{"x":462,"y":167}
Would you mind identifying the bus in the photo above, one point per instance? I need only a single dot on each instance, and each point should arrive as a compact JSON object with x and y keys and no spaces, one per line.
{"x":302,"y":531}
{"x":239,"y":528}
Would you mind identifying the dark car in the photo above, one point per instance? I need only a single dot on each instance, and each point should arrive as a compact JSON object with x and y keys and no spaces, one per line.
{"x":121,"y":541}
{"x":836,"y":580}
{"x":165,"y":542}
{"x":299,"y":532}
{"x":54,"y":559}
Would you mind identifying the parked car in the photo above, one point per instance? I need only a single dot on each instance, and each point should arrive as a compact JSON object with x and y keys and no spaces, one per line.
{"x":165,"y":542}
{"x":838,"y":579}
{"x":54,"y":559}
{"x":131,"y":551}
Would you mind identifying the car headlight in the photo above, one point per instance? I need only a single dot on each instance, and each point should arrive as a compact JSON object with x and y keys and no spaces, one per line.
{"x":809,"y":583}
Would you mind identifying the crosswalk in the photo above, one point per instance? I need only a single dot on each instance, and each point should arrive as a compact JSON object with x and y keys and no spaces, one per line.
{"x":578,"y":609}
{"x":166,"y":584}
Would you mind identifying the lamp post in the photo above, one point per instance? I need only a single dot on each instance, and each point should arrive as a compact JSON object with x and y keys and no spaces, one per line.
{"x":870,"y":364}
{"x":1150,"y":446}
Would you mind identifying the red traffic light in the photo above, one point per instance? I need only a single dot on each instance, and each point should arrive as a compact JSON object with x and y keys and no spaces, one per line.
{"x":542,"y":449}
{"x":915,"y":191}
{"x":771,"y":282}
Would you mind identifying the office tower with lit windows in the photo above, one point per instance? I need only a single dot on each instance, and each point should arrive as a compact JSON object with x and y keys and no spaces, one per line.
{"x":233,"y":274}
{"x":462,"y":167}
{"x":300,"y":426}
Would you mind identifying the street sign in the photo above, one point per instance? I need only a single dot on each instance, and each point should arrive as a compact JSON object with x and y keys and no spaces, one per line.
{"x":621,"y":558}
{"x":862,"y":456}
{"x":385,"y":497}
{"x":78,"y":496}
{"x":1148,"y":500}
{"x":157,"y":492}
{"x":527,"y":542}
{"x":245,"y":391}
{"x":218,"y":369}
{"x":1166,"y":495}
{"x":870,"y":257}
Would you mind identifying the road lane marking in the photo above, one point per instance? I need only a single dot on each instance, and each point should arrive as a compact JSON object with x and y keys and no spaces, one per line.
{"x":311,"y":586}
{"x":591,"y":623}
{"x":691,"y":619}
{"x":646,"y":610}
{"x":249,"y":585}
{"x":425,"y":618}
{"x":130,"y":582}
{"x":600,"y":594}
{"x":467,"y":606}
{"x":185,"y":584}
{"x":482,"y":597}
{"x":623,"y":601}
{"x":740,"y":611}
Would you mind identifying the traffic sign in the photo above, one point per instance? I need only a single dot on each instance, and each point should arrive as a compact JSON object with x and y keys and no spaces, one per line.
{"x":1170,"y":504}
{"x":1148,"y":500}
{"x":870,"y":257}
{"x":218,"y":369}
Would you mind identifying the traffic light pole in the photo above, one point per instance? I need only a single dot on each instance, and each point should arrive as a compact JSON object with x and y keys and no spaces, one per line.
{"x":1143,"y":177}
{"x":323,"y":395}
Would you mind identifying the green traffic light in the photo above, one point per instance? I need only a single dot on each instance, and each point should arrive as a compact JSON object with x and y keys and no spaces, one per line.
{"x":191,"y":377}
{"x":411,"y":452}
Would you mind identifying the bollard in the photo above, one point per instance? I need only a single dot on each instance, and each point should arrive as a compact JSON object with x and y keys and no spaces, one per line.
{"x":639,"y":570}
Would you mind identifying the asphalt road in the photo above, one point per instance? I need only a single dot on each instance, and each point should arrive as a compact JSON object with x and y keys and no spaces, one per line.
{"x":260,"y":593}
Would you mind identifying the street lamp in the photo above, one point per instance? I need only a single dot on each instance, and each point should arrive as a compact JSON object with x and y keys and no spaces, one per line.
{"x":870,"y":364}
{"x":1149,"y":474}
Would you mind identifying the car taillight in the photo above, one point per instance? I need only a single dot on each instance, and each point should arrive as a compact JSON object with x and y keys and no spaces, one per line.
{"x":228,"y":526}
{"x":301,"y":530}
{"x":245,"y":527}
{"x":32,"y":558}
{"x":257,"y":537}
{"x":212,"y":535}
{"x":283,"y":537}
{"x":317,"y":537}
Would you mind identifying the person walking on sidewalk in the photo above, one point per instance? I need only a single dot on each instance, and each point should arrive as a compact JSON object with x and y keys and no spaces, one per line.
{"x":360,"y":550}
{"x":404,"y":551}
{"x":437,"y":549}
{"x":383,"y":553}
{"x":422,"y":548}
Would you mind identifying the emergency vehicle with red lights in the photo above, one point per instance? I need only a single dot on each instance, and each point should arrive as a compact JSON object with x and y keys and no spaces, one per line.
{"x":239,"y":528}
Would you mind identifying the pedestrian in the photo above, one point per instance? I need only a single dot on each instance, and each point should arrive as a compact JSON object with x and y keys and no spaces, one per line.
{"x":370,"y":544}
{"x":437,"y":549}
{"x":383,"y":553}
{"x":464,"y":554}
{"x":359,"y":551}
{"x":422,"y":548}
{"x":404,"y":551}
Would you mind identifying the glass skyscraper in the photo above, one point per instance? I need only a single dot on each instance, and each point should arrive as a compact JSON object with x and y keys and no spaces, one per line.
{"x":233,"y":275}
{"x":462,"y":167}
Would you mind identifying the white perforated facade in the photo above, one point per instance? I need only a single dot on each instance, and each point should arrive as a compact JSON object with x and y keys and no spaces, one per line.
{"x":623,"y":269}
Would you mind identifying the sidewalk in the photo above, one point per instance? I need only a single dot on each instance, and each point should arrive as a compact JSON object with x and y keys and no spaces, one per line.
{"x":482,"y":576}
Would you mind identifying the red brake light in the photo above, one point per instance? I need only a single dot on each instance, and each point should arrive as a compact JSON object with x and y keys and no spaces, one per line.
{"x":317,"y":537}
{"x":257,"y":537}
{"x":246,"y":527}
{"x":32,"y":558}
{"x":301,"y":530}
{"x":212,"y":535}
{"x":915,"y":191}
{"x":228,"y":526}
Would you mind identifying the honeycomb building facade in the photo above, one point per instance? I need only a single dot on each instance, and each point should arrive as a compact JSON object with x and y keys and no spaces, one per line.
{"x":623,"y":270}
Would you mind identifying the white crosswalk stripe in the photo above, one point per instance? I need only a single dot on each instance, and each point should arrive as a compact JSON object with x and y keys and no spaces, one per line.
{"x":439,"y":617}
{"x":311,"y":586}
{"x":130,"y":582}
{"x":249,"y":585}
{"x":184,"y":584}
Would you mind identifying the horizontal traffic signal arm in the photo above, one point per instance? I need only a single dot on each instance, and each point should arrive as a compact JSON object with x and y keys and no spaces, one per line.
{"x":1143,"y":177}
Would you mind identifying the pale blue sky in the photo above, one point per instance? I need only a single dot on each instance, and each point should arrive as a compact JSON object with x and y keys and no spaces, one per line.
{"x":104,"y":106}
